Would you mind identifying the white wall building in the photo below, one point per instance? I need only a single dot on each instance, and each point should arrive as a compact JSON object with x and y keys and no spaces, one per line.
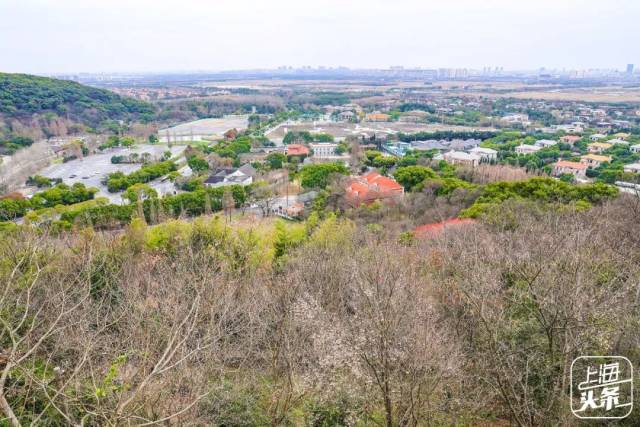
{"x":325,"y":149}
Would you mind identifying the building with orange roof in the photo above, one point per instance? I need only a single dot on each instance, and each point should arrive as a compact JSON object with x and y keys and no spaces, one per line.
{"x":372,"y":187}
{"x":577,"y":169}
{"x":437,"y":229}
{"x":296,"y":150}
{"x":570,"y":139}
{"x":377,"y":117}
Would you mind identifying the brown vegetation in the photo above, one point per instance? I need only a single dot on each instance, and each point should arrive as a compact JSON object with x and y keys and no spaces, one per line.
{"x":477,"y":325}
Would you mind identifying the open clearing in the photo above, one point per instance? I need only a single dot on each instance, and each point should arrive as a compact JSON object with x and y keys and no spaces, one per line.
{"x":214,"y":128}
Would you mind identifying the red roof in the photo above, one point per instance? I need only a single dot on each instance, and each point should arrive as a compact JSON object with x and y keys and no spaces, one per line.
{"x":572,"y":165}
{"x":297,"y":150}
{"x":437,"y":228}
{"x":383,"y":182}
{"x":371,"y":187}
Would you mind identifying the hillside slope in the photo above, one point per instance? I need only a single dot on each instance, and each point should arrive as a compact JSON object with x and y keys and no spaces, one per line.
{"x":40,"y":107}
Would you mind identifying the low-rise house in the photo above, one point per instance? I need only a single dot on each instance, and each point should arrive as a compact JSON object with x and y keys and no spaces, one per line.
{"x":231,"y":134}
{"x":296,"y":210}
{"x":598,"y":147}
{"x":632,"y":168}
{"x":618,"y":141}
{"x":594,"y":160}
{"x":377,"y":117}
{"x":635,"y":148}
{"x":570,"y":139}
{"x":622,"y":135}
{"x":577,"y":169}
{"x":296,"y":150}
{"x":485,"y":154}
{"x":597,"y":137}
{"x":545,"y":143}
{"x":324,"y":149}
{"x":437,"y":229}
{"x":527,"y":149}
{"x":230,"y":176}
{"x":372,"y":187}
{"x":462,"y":158}
{"x":347,"y":116}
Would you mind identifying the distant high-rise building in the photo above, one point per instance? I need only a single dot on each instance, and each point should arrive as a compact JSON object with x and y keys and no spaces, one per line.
{"x":629,"y":68}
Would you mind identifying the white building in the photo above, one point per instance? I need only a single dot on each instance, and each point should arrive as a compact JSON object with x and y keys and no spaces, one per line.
{"x":462,"y":158}
{"x":597,"y":136}
{"x":632,"y":167}
{"x":486,"y":154}
{"x":635,"y":148}
{"x":324,"y":149}
{"x":527,"y":149}
{"x":545,"y":143}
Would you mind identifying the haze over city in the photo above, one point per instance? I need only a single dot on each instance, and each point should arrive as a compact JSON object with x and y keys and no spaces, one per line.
{"x":69,"y":36}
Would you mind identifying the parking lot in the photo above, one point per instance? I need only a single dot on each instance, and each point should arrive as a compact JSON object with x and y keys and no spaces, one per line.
{"x":91,"y":170}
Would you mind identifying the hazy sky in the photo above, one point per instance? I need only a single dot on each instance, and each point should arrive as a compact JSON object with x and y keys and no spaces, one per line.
{"x":46,"y":36}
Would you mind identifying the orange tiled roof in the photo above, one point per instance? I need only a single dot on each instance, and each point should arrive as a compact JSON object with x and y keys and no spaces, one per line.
{"x":437,"y":228}
{"x":297,"y":150}
{"x":572,"y":165}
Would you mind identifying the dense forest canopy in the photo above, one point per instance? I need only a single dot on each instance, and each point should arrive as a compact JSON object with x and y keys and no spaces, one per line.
{"x":33,"y":101}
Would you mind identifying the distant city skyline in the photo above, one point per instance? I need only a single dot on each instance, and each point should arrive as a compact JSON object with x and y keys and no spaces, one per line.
{"x":143,"y":36}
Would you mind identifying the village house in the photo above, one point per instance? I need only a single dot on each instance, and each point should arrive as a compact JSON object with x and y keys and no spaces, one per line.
{"x":594,"y":160}
{"x":296,"y":150}
{"x":231,"y":176}
{"x":570,"y":139}
{"x":372,"y":187}
{"x":545,"y":143}
{"x":437,"y":229}
{"x":635,"y":148}
{"x":231,"y":134}
{"x":377,"y":117}
{"x":485,"y":154}
{"x":598,"y":147}
{"x":324,"y":149}
{"x":462,"y":158}
{"x":622,"y":135}
{"x":527,"y":149}
{"x":347,"y":116}
{"x":597,"y":137}
{"x":576,"y":169}
{"x":618,"y":141}
{"x":632,"y":168}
